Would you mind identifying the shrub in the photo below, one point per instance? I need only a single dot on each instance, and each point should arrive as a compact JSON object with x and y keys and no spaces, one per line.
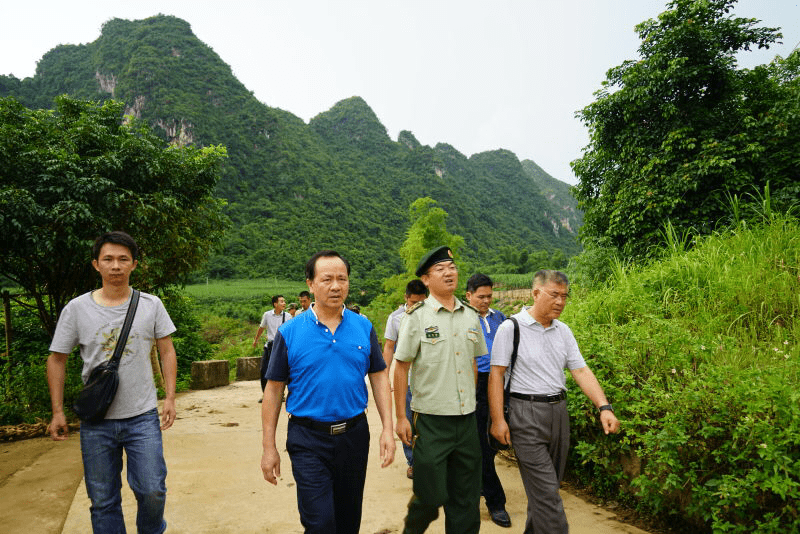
{"x":698,"y":352}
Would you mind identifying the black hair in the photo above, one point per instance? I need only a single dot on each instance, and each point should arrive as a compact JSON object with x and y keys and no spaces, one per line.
{"x":304,"y":294}
{"x":276,"y":298}
{"x":312,"y":262}
{"x":416,"y":287}
{"x":117,"y":237}
{"x":478,"y":280}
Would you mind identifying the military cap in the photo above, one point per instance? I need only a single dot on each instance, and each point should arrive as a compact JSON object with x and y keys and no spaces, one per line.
{"x":437,"y":255}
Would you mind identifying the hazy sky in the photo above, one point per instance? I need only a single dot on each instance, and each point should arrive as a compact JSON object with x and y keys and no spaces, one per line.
{"x":479,"y":75}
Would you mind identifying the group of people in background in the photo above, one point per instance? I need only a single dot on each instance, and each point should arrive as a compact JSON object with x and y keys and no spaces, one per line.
{"x":451,"y":366}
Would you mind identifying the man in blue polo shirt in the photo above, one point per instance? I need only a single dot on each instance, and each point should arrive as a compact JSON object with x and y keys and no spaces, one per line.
{"x":324,"y":356}
{"x":479,"y":295}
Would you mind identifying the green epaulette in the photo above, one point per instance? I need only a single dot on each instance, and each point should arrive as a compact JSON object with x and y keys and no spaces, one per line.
{"x":470,"y":306}
{"x":415,"y":306}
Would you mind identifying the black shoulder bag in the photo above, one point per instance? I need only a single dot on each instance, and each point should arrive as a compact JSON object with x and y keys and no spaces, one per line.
{"x":101,"y":387}
{"x":493,"y":442}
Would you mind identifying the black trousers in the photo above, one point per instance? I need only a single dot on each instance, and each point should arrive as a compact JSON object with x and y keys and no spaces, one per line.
{"x":330,"y":472}
{"x":492,"y":489}
{"x":265,"y":364}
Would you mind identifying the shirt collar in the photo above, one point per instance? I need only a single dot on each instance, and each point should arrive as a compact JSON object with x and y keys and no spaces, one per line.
{"x":432,"y":301}
{"x":316,"y":319}
{"x":527,"y":319}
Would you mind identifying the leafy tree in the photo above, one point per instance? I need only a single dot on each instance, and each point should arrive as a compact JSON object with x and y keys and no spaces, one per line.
{"x":428,"y":230}
{"x":71,"y":174}
{"x":674,"y":134}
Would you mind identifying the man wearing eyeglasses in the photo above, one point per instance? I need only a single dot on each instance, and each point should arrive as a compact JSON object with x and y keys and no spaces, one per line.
{"x":441,"y":336}
{"x":538,"y":424}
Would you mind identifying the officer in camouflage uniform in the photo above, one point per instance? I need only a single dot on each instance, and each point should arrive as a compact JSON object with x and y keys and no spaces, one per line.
{"x":442,"y":337}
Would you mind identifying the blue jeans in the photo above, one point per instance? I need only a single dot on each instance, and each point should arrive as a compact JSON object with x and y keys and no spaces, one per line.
{"x":101,"y":448}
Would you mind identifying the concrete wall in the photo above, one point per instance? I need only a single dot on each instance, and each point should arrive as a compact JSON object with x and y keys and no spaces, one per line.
{"x":209,"y":374}
{"x":248,"y":368}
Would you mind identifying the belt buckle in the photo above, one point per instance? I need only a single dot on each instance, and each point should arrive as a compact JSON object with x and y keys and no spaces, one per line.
{"x":338,"y":429}
{"x":554,"y":399}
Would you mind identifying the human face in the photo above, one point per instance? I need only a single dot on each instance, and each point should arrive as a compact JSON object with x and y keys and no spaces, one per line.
{"x":280,"y":305}
{"x":115,"y":264}
{"x":480,"y":299}
{"x":549,"y":301}
{"x":413,"y":299}
{"x":305,"y":302}
{"x":441,"y":278}
{"x":330,"y":284}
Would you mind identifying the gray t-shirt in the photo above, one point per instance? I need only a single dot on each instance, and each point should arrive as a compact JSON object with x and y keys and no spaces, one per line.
{"x":94,"y":328}
{"x":543,"y":354}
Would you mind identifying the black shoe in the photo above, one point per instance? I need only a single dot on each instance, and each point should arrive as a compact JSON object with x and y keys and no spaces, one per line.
{"x":501,"y":518}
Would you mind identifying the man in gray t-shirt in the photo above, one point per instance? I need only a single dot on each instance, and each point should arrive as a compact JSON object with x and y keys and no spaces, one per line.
{"x":93,"y":322}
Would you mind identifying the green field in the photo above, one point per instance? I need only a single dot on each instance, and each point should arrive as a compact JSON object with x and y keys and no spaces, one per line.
{"x":241,"y":299}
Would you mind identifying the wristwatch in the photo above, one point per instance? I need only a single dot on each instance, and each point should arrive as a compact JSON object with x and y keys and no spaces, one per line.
{"x":605,"y":407}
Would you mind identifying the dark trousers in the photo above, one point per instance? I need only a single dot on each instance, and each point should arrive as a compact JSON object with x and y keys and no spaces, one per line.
{"x":329,"y":472}
{"x":492,"y":489}
{"x":265,"y":364}
{"x":447,"y":472}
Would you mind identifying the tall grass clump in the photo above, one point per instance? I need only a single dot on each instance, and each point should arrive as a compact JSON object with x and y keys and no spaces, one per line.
{"x":698,"y":352}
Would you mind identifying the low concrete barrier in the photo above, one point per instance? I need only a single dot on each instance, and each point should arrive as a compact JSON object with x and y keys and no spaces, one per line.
{"x":209,"y":374}
{"x":248,"y":368}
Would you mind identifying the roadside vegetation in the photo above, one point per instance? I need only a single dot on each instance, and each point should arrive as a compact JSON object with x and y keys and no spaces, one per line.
{"x":698,"y":352}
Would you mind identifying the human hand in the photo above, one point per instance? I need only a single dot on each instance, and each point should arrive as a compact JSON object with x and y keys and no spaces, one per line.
{"x":271,"y":465}
{"x":500,"y":431}
{"x":168,"y":413}
{"x":609,"y":422}
{"x":403,"y":430}
{"x":59,"y":431}
{"x":387,"y":447}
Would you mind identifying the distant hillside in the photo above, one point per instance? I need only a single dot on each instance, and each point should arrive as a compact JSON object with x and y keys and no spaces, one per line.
{"x":292,"y":187}
{"x":565,"y":213}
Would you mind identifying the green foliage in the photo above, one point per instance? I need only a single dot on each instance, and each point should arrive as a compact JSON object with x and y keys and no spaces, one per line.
{"x":677,"y":132}
{"x":699,"y":353}
{"x":68,"y":176}
{"x":522,"y":261}
{"x":293,"y":188}
{"x":24,"y":395}
{"x":244,"y":300}
{"x":428,"y":230}
{"x":189,"y":344}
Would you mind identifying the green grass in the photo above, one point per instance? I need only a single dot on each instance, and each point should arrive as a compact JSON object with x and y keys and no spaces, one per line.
{"x":241,"y":299}
{"x":699,"y":353}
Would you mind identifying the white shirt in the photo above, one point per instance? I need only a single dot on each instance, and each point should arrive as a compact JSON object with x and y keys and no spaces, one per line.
{"x":543,"y":355}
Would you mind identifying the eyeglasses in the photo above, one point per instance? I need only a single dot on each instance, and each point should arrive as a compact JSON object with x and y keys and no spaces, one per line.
{"x":555,"y":295}
{"x":442,"y":268}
